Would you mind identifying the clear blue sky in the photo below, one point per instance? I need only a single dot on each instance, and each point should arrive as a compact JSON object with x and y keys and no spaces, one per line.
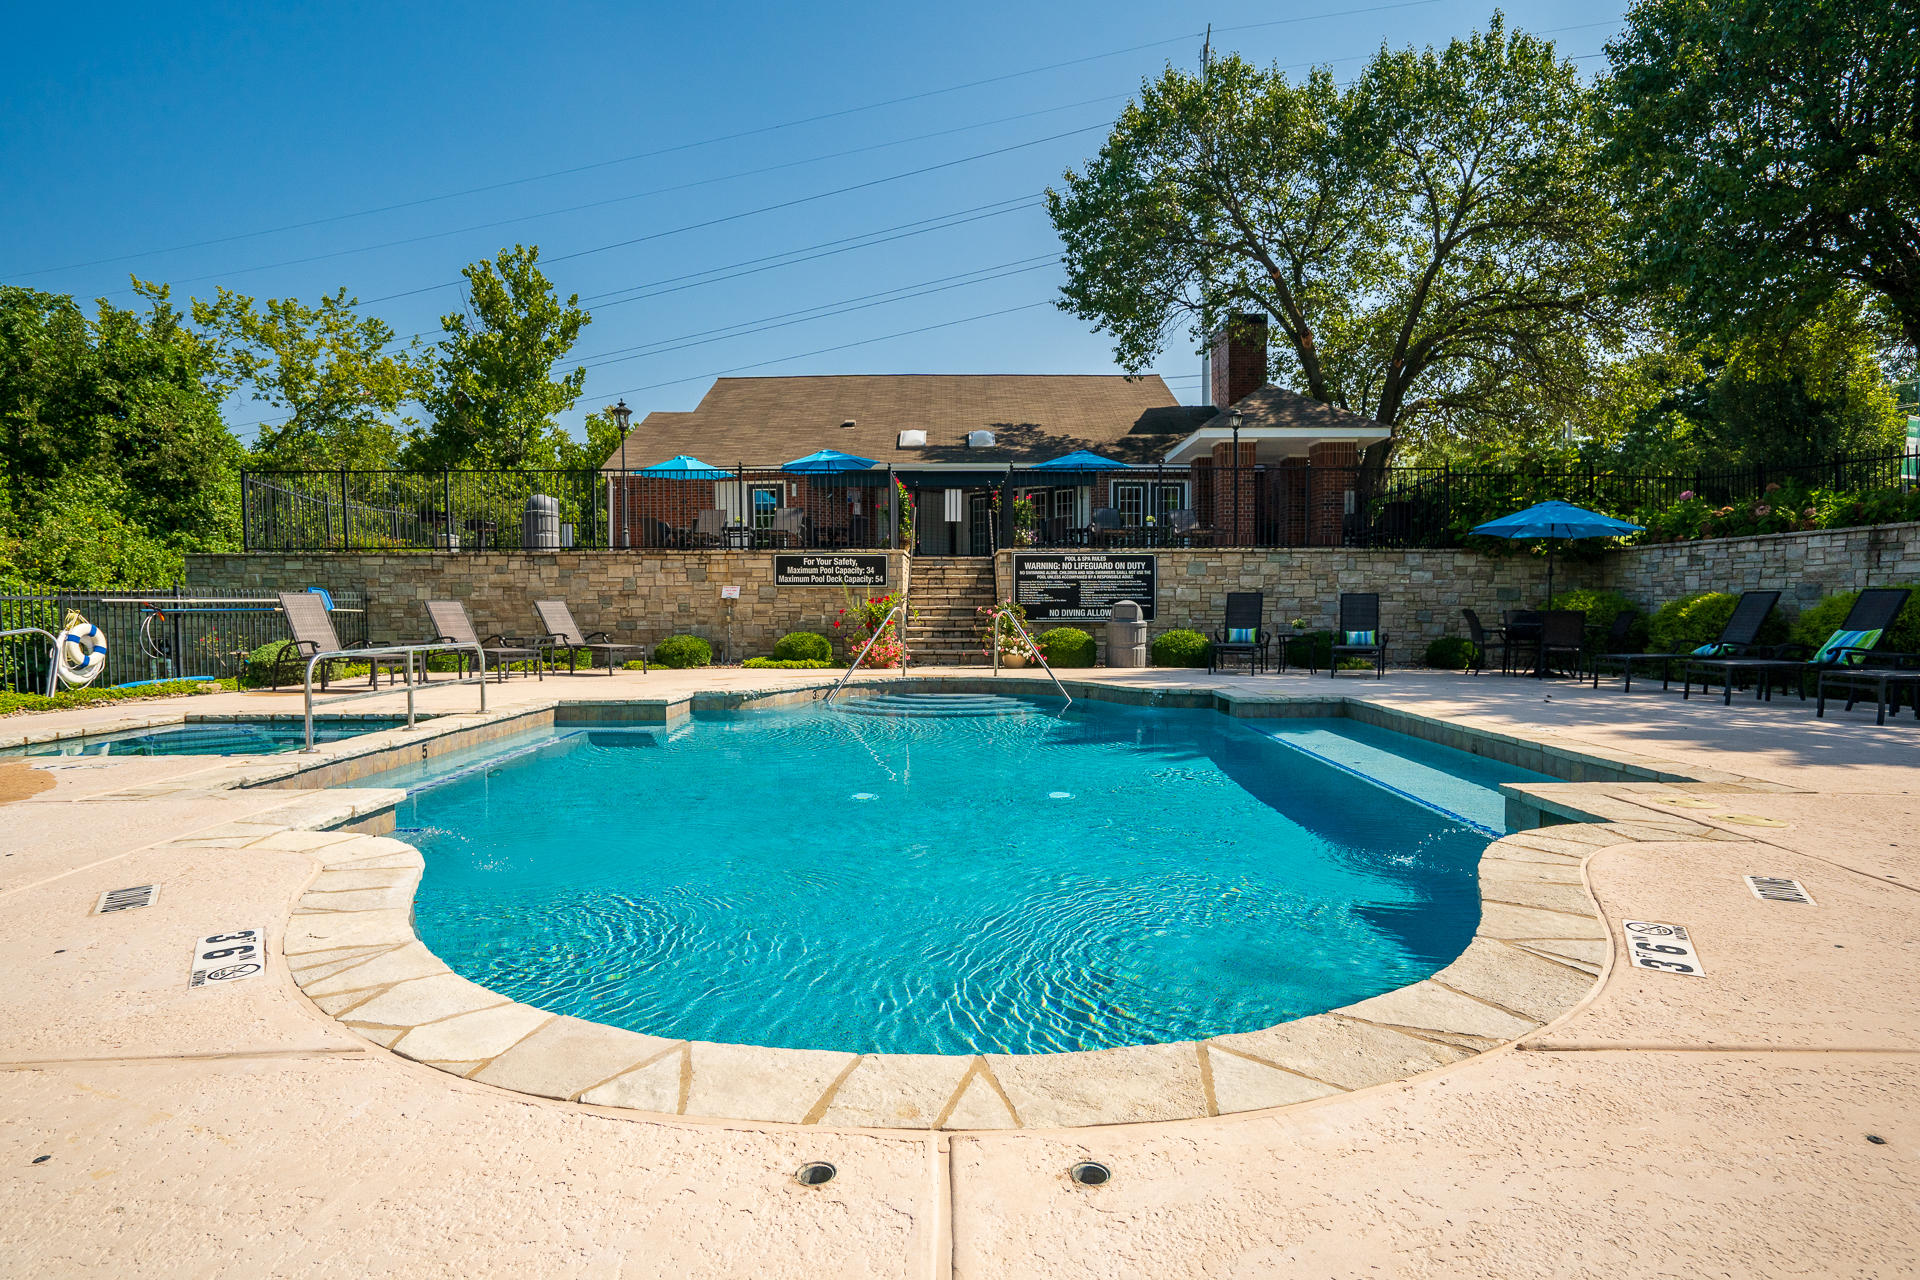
{"x":128,"y":132}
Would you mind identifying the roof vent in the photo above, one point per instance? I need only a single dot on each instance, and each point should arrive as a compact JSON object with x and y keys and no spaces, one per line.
{"x":979,"y":439}
{"x":913,"y":440}
{"x":848,"y":423}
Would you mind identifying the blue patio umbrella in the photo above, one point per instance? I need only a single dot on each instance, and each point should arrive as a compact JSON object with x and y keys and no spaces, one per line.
{"x":1081,"y":460}
{"x":827,"y":461}
{"x":1553,"y":521}
{"x":682,"y":467}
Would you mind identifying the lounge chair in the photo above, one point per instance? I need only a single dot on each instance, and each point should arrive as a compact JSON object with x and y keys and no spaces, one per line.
{"x":564,"y":633}
{"x":1614,"y":647}
{"x":1242,"y":632}
{"x":790,"y":526}
{"x":1481,"y":638}
{"x":1857,"y":663}
{"x":1360,"y":634}
{"x":312,"y":632}
{"x":709,"y":528}
{"x":1106,"y":526}
{"x":1858,"y":638}
{"x":1739,"y":638}
{"x":453,"y":625}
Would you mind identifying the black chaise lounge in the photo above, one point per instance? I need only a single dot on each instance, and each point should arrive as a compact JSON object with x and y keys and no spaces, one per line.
{"x":1739,"y":638}
{"x":312,"y":632}
{"x":564,"y":633}
{"x":1856,"y":663}
{"x":453,"y":625}
{"x":1360,"y":635}
{"x":1242,"y":632}
{"x":1872,"y":612}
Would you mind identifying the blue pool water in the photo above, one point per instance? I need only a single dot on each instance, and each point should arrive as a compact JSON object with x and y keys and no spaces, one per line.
{"x":1029,"y":883}
{"x":208,"y":738}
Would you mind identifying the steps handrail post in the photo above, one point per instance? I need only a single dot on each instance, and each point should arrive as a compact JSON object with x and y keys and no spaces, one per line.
{"x":1018,"y":626}
{"x":855,"y":665}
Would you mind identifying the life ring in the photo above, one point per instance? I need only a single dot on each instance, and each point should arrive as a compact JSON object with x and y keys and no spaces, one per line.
{"x":80,"y":653}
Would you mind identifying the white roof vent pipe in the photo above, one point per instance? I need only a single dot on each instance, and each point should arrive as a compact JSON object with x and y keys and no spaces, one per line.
{"x":913,"y":440}
{"x":979,"y":439}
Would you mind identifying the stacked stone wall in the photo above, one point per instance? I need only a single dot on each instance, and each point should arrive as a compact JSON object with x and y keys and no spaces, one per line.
{"x":1803,"y":567}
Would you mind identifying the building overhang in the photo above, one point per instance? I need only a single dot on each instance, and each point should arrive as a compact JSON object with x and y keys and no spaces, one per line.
{"x":1273,"y":444}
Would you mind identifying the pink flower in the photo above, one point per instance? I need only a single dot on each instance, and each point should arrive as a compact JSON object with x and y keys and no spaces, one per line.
{"x":1687,"y":496}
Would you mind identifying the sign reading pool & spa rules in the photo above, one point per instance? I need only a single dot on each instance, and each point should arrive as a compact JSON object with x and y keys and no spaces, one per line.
{"x":1083,"y":586}
{"x":830,"y":571}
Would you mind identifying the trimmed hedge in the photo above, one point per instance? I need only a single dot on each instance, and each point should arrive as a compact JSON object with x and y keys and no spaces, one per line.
{"x":1067,"y":647}
{"x":1683,"y":625}
{"x":1450,"y":653}
{"x":681,"y":652}
{"x":1181,"y":648}
{"x":1817,"y":622}
{"x":785,"y":664}
{"x":801,"y":646}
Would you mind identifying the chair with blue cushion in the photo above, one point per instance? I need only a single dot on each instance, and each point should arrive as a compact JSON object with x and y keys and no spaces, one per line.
{"x":1852,"y":645}
{"x":1359,"y":634}
{"x":1242,"y":632}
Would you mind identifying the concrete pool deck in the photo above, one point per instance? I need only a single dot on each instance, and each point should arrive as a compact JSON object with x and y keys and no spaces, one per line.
{"x":1710,"y":1125}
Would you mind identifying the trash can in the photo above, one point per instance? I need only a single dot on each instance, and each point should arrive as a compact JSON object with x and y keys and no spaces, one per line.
{"x":1126,"y":636}
{"x":540,"y":524}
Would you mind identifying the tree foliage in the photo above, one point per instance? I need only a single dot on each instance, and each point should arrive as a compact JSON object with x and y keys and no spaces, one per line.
{"x":1768,"y":154}
{"x":493,"y":399}
{"x":1432,"y":242}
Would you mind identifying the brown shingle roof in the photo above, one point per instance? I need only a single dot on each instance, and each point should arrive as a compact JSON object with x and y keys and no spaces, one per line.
{"x":767,"y":421}
{"x":1272,"y":406}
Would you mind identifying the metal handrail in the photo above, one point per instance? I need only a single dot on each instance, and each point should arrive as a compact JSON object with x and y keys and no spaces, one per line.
{"x":332,"y":655}
{"x":53,"y":654}
{"x":997,"y":617}
{"x":855,"y":664}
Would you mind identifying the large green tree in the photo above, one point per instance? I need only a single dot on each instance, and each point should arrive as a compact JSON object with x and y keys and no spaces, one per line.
{"x":1769,"y":154}
{"x":493,"y":399}
{"x":113,"y":458}
{"x":1431,"y":242}
{"x":338,"y":376}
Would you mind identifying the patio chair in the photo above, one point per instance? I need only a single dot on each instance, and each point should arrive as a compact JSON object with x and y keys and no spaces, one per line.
{"x":1614,"y":646}
{"x":1856,"y":640}
{"x":1481,"y":637}
{"x":790,"y":526}
{"x":1520,"y":635}
{"x":312,"y":632}
{"x":1564,"y":631}
{"x":1857,"y":663}
{"x":453,"y":625}
{"x":1242,"y":632}
{"x":1184,"y":526}
{"x":564,"y":632}
{"x":1740,"y":637}
{"x":1360,"y":634}
{"x":709,"y":528}
{"x":1106,"y":524}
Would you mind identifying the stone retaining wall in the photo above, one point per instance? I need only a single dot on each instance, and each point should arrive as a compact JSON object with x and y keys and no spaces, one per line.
{"x":1802,"y":566}
{"x":634,"y":596}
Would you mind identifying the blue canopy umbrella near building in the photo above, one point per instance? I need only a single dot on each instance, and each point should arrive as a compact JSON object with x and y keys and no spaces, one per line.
{"x":826,"y":462}
{"x":1081,"y":460}
{"x":682,"y":467}
{"x":1554,"y":521}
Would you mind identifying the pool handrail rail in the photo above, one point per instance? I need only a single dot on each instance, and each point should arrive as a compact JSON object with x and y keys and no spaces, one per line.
{"x":53,"y":654}
{"x":855,"y":664}
{"x":1037,"y":653}
{"x":392,"y":650}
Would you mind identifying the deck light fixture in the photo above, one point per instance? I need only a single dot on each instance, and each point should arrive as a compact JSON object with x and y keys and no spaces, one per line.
{"x":1234,"y":420}
{"x":623,"y":415}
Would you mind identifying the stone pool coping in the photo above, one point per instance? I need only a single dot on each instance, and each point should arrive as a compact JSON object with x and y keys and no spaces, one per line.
{"x":1539,"y":953}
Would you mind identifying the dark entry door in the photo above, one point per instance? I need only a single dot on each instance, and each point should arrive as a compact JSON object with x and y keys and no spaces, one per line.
{"x":980,"y":524}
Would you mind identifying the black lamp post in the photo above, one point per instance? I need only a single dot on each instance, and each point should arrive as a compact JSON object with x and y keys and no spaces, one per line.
{"x":1234,"y":420}
{"x":623,"y":415}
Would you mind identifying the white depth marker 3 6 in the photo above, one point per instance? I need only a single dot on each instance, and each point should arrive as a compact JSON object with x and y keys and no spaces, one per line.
{"x":1665,"y":948}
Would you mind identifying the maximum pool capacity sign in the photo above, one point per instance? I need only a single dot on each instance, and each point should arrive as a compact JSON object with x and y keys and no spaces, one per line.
{"x":1664,"y":948}
{"x":227,"y":957}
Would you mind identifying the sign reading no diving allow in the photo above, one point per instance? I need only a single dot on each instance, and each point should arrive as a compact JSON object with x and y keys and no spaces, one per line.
{"x":830,"y":571}
{"x":1083,"y":586}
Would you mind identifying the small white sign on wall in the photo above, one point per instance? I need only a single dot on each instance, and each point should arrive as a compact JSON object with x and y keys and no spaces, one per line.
{"x":1664,"y":948}
{"x":228,"y":957}
{"x":729,"y":593}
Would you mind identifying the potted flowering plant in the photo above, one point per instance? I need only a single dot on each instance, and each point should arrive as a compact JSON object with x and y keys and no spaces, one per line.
{"x":868,"y":618}
{"x":1012,"y":643}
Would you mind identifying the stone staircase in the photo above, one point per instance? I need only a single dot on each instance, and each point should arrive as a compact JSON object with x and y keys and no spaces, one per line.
{"x":946,"y":594}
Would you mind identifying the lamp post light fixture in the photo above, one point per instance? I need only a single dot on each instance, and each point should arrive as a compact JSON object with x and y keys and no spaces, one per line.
{"x":1234,"y":420}
{"x":623,"y":415}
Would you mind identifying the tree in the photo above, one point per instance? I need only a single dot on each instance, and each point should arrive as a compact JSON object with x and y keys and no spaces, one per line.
{"x":1769,"y":154}
{"x":493,"y":399}
{"x":1431,"y":242}
{"x":327,"y":367}
{"x":113,"y":457}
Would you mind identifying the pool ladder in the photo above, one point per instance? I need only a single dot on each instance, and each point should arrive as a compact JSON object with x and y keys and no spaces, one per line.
{"x":993,"y":645}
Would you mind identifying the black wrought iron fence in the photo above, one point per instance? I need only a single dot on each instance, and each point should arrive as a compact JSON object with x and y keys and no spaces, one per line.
{"x":155,"y":635}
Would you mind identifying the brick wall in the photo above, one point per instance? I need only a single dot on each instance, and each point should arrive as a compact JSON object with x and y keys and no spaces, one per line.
{"x":635,"y":596}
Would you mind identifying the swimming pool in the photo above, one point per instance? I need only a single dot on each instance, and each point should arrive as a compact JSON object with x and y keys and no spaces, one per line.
{"x":1027,"y":883}
{"x":208,"y":738}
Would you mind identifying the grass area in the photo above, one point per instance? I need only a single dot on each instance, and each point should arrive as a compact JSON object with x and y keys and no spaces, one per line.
{"x":67,"y":699}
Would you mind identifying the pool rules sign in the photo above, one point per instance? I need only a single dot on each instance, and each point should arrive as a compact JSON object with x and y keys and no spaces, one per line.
{"x":227,"y":957}
{"x":1083,"y":586}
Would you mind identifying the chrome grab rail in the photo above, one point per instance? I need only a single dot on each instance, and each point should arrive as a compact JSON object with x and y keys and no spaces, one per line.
{"x":855,"y":664}
{"x":331,"y":655}
{"x":1031,"y":645}
{"x":53,"y":654}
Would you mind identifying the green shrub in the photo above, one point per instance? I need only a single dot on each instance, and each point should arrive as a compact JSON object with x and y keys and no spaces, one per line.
{"x":1450,"y":653}
{"x":1683,"y":625}
{"x":786,"y":664}
{"x":1308,"y":648}
{"x":1067,"y":647}
{"x":1817,"y":622}
{"x":633,"y":664}
{"x":1181,"y":649}
{"x":1601,"y":607}
{"x":681,"y":652}
{"x":803,"y":646}
{"x":258,"y":668}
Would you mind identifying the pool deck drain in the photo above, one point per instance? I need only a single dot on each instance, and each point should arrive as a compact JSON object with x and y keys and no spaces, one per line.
{"x":1620,"y":1135}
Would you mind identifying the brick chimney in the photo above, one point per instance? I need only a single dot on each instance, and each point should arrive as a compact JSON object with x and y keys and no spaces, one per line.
{"x":1237,"y":359}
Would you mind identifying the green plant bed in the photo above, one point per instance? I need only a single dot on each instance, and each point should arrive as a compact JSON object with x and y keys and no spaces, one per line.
{"x":682,"y":652}
{"x":800,"y":646}
{"x":1683,"y":625}
{"x":786,"y":664}
{"x":1819,"y":621}
{"x":67,"y":699}
{"x":1181,"y":648}
{"x":1450,"y":653}
{"x":1067,"y":647}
